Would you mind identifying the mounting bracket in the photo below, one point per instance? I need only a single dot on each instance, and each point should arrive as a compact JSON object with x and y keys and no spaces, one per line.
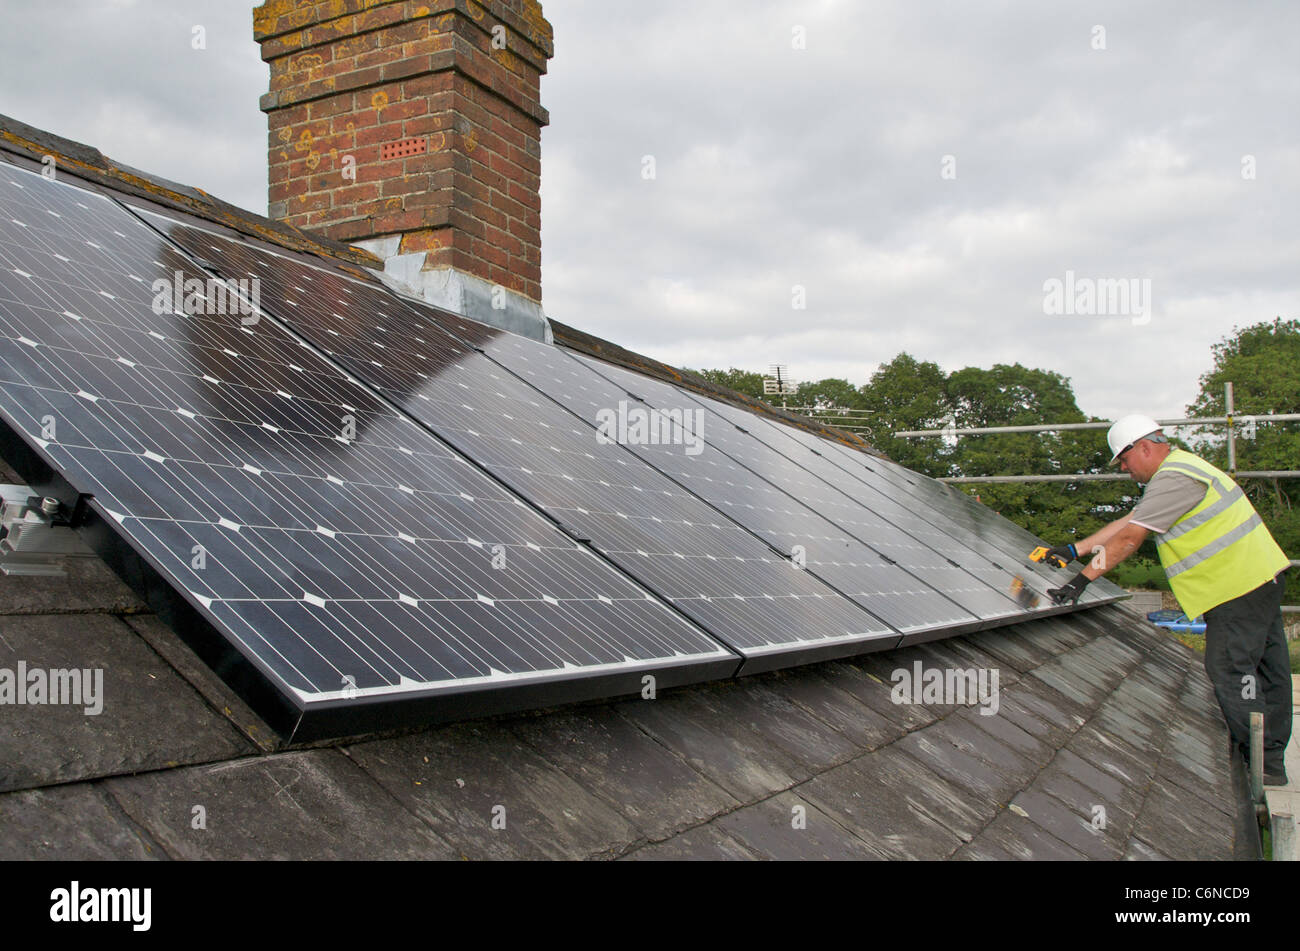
{"x":35,"y":537}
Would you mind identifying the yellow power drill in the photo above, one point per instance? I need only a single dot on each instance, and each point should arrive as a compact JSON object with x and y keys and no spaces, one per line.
{"x":1049,"y":555}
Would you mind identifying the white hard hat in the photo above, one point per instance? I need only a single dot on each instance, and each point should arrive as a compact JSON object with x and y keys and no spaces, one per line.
{"x":1129,"y":430}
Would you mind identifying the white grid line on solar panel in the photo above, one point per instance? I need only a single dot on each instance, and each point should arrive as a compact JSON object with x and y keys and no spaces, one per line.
{"x":972,"y":583}
{"x":680,"y":585}
{"x":50,"y":348}
{"x":904,"y":494}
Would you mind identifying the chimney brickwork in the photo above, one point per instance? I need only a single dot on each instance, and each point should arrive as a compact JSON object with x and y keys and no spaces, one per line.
{"x":412,"y":128}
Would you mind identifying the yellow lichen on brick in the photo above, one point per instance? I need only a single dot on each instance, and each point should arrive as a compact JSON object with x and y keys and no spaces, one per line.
{"x":419,"y":241}
{"x":471,"y":140}
{"x":264,"y":17}
{"x":305,"y":141}
{"x":285,"y":134}
{"x":379,"y":100}
{"x":307,"y":61}
{"x":532,"y":14}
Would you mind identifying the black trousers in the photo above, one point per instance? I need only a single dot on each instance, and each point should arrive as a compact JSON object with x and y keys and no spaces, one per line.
{"x":1247,"y":662}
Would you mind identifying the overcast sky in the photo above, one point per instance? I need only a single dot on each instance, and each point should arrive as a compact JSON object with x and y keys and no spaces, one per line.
{"x":918,"y":171}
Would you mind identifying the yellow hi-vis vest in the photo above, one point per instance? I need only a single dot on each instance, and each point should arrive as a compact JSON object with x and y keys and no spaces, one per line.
{"x":1219,"y":550}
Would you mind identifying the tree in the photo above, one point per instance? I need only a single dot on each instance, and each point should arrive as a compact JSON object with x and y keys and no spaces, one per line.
{"x":1262,"y":362}
{"x":751,"y":384}
{"x":907,"y":394}
{"x":830,"y":393}
{"x":1019,"y":396}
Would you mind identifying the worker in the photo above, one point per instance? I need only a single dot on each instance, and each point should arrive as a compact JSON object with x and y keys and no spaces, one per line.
{"x":1221,"y":561}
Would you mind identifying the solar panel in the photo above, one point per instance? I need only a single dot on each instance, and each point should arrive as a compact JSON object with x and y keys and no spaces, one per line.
{"x":340,"y":567}
{"x":958,"y":573}
{"x":897,"y":578}
{"x":964,"y":516}
{"x":717,"y":572}
{"x":947,"y":518}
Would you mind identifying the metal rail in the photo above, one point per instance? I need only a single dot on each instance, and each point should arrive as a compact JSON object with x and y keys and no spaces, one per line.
{"x":1231,"y":421}
{"x":1109,"y":477}
{"x":1064,"y":427}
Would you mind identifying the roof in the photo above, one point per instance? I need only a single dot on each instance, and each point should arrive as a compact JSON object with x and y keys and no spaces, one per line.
{"x":1107,"y":742}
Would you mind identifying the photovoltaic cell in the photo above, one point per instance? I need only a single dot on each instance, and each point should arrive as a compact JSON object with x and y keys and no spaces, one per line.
{"x":430,"y":364}
{"x":358,"y":572}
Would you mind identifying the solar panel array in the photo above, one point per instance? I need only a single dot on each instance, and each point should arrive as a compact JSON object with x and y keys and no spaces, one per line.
{"x":365,"y":512}
{"x":702,"y":562}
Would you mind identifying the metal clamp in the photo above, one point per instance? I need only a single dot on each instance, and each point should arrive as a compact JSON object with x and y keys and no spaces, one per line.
{"x":35,"y":537}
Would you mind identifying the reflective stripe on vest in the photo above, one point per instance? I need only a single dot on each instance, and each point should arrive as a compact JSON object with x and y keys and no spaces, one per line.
{"x":1220,"y":549}
{"x":1227,"y":495}
{"x":1214,"y":547}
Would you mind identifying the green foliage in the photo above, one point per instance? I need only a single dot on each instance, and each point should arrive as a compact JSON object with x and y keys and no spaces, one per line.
{"x":906,"y":394}
{"x":751,"y":384}
{"x":1262,"y":362}
{"x":1018,"y":396}
{"x":1139,"y":571}
{"x":828,"y":393}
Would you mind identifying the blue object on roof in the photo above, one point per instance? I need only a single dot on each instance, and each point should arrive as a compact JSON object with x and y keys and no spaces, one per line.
{"x":1177,"y":621}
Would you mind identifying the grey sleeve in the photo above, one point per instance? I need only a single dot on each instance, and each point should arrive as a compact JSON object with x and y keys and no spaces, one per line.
{"x":1168,"y":497}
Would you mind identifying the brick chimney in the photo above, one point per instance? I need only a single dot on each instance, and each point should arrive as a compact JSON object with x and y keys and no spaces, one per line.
{"x":413,"y":129}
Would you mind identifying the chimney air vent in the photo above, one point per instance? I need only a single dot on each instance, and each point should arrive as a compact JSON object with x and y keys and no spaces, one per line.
{"x":403,"y":148}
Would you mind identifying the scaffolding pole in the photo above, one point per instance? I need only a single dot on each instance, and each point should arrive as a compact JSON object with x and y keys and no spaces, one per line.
{"x":1109,"y":477}
{"x":1064,"y":427}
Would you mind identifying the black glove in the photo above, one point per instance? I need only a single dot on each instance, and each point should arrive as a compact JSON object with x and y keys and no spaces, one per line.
{"x":1070,"y":591}
{"x":1061,"y":555}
